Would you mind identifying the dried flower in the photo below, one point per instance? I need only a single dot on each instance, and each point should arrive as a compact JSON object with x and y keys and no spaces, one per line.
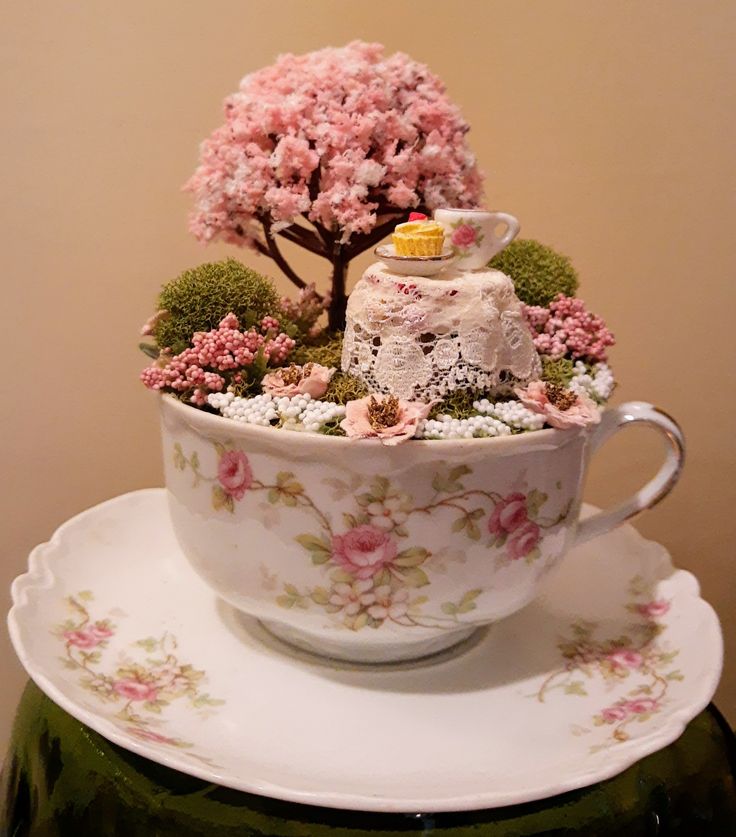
{"x":383,"y":417}
{"x":310,"y":379}
{"x":561,"y":408}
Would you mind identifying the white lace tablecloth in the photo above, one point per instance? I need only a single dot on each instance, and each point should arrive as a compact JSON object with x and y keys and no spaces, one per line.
{"x":423,"y":337}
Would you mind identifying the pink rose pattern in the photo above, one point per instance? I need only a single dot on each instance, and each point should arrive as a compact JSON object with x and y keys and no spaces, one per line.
{"x":465,"y":237}
{"x":363,"y":551}
{"x":234,"y":473}
{"x":144,"y":689}
{"x":632,"y":660}
{"x":372,"y":576}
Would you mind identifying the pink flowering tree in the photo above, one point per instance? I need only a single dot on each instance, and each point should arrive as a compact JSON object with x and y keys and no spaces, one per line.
{"x":329,"y":150}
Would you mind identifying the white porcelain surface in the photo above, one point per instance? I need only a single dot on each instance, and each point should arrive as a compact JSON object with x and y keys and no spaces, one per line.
{"x":608,"y":665}
{"x":473,"y":234}
{"x":374,"y":553}
{"x":414,"y":266}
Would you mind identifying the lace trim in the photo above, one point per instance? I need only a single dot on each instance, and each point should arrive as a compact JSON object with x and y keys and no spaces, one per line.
{"x":422,"y":338}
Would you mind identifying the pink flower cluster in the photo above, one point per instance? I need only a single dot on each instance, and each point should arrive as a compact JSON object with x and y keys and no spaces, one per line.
{"x":568,"y":328}
{"x":333,"y":135}
{"x":306,"y":309}
{"x":624,"y":709}
{"x":510,"y":519}
{"x":89,"y":636}
{"x":199,"y":369}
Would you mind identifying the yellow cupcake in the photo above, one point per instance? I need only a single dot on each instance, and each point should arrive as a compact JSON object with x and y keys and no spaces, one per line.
{"x":419,"y":238}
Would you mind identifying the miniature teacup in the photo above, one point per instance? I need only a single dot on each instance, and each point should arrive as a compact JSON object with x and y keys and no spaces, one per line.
{"x":376,"y":554}
{"x":472,"y":234}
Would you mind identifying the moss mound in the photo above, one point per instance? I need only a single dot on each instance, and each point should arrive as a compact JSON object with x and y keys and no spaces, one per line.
{"x":327,"y":351}
{"x":199,"y":298}
{"x":344,"y":388}
{"x":557,"y":371}
{"x":539,"y":273}
{"x":458,"y":404}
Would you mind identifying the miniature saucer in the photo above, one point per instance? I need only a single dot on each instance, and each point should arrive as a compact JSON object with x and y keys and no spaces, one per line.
{"x":414,"y":265}
{"x":607,"y":666}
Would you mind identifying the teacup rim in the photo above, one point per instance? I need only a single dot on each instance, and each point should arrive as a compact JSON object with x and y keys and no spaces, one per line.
{"x":549,"y":437}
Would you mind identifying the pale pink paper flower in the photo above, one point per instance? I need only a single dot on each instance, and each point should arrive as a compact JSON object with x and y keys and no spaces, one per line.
{"x":363,"y":550}
{"x":654,"y":609}
{"x":560,"y":407}
{"x":310,"y":379}
{"x":383,"y":417}
{"x":135,"y":689}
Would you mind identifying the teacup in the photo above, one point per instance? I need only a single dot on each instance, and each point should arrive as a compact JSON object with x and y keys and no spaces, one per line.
{"x":473,"y":236}
{"x":377,"y":554}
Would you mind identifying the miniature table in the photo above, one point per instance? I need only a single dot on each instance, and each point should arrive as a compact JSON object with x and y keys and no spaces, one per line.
{"x":61,"y":779}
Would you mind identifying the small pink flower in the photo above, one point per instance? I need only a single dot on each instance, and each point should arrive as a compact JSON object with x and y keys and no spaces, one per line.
{"x":397,"y":423}
{"x":84,"y":637}
{"x":463,"y":236}
{"x":560,"y":407}
{"x":612,"y":714}
{"x":640,"y":706}
{"x":523,"y":540}
{"x":654,"y":609}
{"x":508,"y":514}
{"x":310,"y":379}
{"x":625,"y":658}
{"x":363,"y":551}
{"x":234,"y":473}
{"x":134,"y":689}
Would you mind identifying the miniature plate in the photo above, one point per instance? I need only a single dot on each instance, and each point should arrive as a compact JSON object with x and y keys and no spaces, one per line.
{"x":607,"y":666}
{"x":414,"y":265}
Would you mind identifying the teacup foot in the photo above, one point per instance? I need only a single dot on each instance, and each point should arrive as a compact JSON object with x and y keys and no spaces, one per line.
{"x":369,"y":652}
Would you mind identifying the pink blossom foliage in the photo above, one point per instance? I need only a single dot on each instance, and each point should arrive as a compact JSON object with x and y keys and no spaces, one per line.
{"x":216,"y":358}
{"x":334,"y":135}
{"x":568,"y":328}
{"x":306,"y":309}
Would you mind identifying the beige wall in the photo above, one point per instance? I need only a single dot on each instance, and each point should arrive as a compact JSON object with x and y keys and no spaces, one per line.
{"x":607,"y":128}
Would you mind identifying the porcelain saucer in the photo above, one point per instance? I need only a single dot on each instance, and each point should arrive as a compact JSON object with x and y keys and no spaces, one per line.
{"x":607,"y":666}
{"x":415,"y":265}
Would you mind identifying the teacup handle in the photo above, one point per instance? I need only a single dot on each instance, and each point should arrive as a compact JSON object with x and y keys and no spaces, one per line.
{"x":613,"y":420}
{"x":512,"y":230}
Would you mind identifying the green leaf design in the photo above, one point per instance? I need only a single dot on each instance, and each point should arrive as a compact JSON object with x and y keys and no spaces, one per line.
{"x":412,"y":557}
{"x":194,"y":461}
{"x":85,"y":595}
{"x":414,"y":576}
{"x":320,"y":596}
{"x":459,"y":524}
{"x":473,"y":531}
{"x":180,"y":462}
{"x":273,"y":496}
{"x":379,"y":486}
{"x":576,"y":687}
{"x":320,"y":548}
{"x":221,"y":500}
{"x":382,"y":578}
{"x":449,"y":608}
{"x":675,"y":675}
{"x":149,"y":644}
{"x":288,"y":500}
{"x":340,"y":576}
{"x":535,"y":499}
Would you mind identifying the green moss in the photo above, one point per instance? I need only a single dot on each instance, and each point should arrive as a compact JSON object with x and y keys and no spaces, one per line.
{"x":326,"y":351}
{"x":344,"y":388}
{"x":539,"y":273}
{"x":199,"y":298}
{"x":557,"y":371}
{"x":458,"y":404}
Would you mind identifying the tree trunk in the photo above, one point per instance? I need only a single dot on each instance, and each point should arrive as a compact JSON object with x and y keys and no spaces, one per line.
{"x":339,"y":300}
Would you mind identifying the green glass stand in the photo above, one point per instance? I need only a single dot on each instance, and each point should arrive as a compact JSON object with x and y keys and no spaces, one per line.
{"x":62,"y":780}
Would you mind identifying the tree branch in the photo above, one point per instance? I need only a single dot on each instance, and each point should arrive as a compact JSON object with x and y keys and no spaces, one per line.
{"x":275,"y":254}
{"x":304,"y":238}
{"x":360,"y":243}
